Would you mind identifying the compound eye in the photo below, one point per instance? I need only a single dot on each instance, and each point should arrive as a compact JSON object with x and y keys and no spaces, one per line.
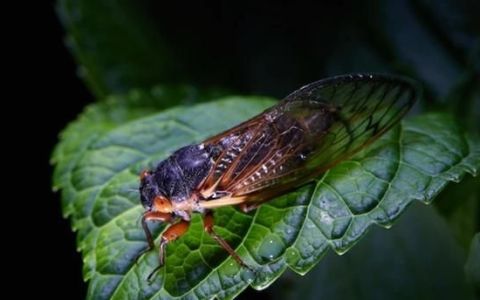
{"x":144,"y":174}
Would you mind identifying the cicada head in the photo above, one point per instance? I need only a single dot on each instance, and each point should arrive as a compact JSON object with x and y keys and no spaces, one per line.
{"x":150,"y":195}
{"x":148,"y":189}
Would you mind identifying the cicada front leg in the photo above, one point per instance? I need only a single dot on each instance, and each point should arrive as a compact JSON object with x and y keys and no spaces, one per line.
{"x":151,"y":216}
{"x":172,"y":233}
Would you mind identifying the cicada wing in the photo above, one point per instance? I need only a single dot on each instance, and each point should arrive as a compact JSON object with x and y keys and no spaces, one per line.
{"x":228,"y":146}
{"x":367,"y":106}
{"x":313,"y":129}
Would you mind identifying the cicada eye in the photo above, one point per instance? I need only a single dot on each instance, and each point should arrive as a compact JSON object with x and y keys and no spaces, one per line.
{"x":148,"y":190}
{"x":144,"y":174}
{"x":146,"y":203}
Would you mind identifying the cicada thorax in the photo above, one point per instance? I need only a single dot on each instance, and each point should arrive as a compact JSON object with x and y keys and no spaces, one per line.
{"x":178,"y":176}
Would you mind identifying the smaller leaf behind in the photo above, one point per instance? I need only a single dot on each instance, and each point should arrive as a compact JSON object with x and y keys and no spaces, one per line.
{"x":472,"y":267}
{"x":116,"y":45}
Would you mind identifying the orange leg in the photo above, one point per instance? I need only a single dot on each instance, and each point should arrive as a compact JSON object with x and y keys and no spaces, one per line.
{"x":172,"y":233}
{"x":208,"y":227}
{"x":152,"y":216}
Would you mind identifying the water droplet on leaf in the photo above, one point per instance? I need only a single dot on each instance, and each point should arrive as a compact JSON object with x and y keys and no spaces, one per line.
{"x":292,"y":253}
{"x":271,"y":247}
{"x":248,"y":276}
{"x":230,"y":268}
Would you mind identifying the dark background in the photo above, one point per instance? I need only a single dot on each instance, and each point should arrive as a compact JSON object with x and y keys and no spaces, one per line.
{"x":238,"y":37}
{"x":58,"y":96}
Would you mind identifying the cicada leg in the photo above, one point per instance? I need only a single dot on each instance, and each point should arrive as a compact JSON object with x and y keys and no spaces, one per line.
{"x":151,"y":216}
{"x":208,"y":223}
{"x":172,"y":233}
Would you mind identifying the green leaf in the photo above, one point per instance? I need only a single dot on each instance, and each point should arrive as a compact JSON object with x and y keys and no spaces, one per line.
{"x":116,"y":45}
{"x":459,"y":204}
{"x":472,"y":267}
{"x":100,"y":156}
{"x":417,"y":48}
{"x":418,"y":258}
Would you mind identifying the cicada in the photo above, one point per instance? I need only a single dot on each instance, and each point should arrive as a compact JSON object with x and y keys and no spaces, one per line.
{"x":283,"y":148}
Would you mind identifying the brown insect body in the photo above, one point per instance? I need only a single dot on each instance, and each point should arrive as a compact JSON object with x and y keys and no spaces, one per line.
{"x":286,"y":146}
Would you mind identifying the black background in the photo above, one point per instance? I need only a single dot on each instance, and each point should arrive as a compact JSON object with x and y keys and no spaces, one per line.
{"x":55,"y":97}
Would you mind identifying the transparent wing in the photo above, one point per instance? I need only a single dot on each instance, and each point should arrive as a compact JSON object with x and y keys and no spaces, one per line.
{"x":308,"y":132}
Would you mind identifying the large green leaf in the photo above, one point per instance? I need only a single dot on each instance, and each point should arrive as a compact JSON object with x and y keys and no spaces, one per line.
{"x":100,"y":155}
